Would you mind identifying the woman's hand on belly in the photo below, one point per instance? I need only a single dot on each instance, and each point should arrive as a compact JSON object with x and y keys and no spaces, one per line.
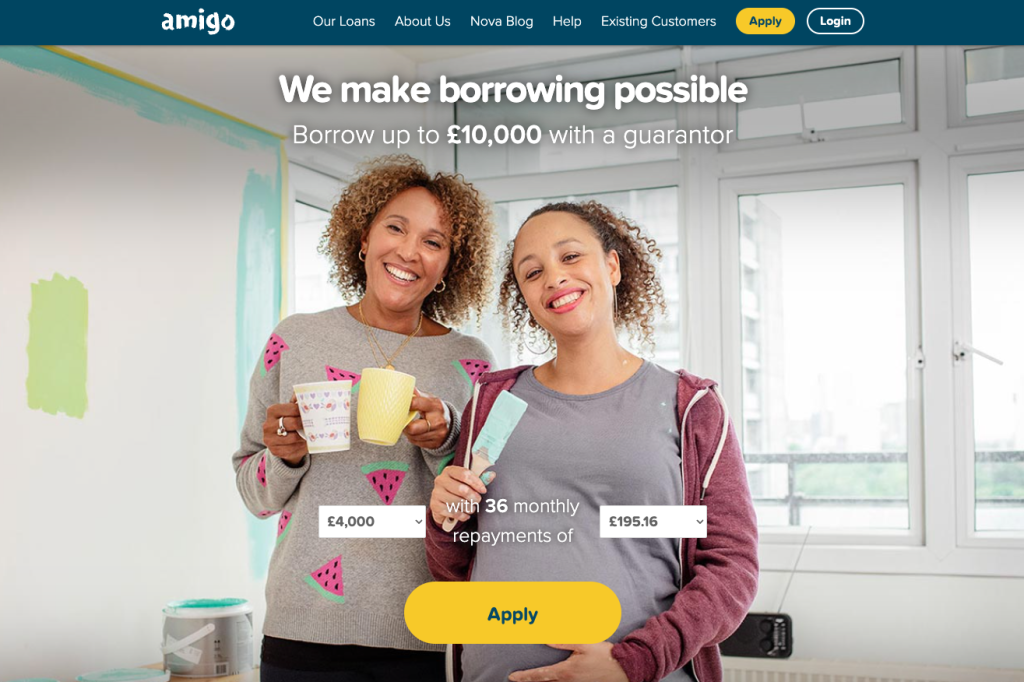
{"x":587,"y":663}
{"x":456,"y":487}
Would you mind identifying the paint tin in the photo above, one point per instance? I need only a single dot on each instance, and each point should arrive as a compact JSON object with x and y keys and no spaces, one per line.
{"x":207,"y":637}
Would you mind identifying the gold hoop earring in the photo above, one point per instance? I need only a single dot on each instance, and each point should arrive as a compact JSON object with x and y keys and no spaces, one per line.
{"x":362,"y":256}
{"x":443,"y":287}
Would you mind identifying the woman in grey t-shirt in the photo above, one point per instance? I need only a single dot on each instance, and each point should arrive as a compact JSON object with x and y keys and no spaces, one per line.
{"x":601,"y":427}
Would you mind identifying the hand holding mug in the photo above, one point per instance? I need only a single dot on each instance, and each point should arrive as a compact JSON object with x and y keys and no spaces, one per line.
{"x":284,"y":418}
{"x":430,"y":429}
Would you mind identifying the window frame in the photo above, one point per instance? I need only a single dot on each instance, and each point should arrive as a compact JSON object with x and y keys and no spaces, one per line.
{"x":931,"y":145}
{"x":316,"y":189}
{"x":823,"y":58}
{"x":956,"y":87}
{"x":731,"y":340}
{"x":961,"y":168}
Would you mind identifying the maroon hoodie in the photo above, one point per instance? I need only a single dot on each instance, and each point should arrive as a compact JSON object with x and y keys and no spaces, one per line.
{"x":719,"y":574}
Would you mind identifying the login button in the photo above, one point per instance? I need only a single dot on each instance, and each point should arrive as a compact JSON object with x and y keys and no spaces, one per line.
{"x":836,"y":21}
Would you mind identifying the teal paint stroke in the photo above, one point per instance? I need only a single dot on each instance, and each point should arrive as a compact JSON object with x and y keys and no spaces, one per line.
{"x":147,"y":103}
{"x":258,"y":310}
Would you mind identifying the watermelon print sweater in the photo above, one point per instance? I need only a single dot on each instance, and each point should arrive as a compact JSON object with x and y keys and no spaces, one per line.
{"x":346,"y":591}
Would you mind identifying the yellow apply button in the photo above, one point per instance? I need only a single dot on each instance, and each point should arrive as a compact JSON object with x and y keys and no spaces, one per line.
{"x":512,"y":612}
{"x":762,"y":20}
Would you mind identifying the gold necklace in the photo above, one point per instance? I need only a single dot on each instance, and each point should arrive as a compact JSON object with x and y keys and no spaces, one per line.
{"x":375,"y":344}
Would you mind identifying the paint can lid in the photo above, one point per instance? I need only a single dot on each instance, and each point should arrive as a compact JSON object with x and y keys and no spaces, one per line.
{"x":207,"y":608}
{"x":126,"y":675}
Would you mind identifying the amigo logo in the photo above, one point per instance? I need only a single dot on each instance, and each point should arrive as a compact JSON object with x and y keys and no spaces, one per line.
{"x":211,"y":23}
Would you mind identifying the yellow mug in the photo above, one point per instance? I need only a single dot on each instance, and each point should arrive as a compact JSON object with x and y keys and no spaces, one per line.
{"x":383,"y":410}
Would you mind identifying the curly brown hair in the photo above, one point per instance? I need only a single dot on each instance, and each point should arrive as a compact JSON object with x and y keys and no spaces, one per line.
{"x":470,"y":266}
{"x":638,"y":296}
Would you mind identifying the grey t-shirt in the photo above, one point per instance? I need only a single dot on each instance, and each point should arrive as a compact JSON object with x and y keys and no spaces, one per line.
{"x":617,"y":447}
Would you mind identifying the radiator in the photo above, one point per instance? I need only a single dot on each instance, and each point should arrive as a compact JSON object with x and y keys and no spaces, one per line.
{"x":810,"y":670}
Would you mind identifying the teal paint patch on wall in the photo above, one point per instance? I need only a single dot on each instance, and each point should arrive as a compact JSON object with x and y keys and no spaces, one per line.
{"x":58,"y":325}
{"x":147,"y":103}
{"x":258,"y":310}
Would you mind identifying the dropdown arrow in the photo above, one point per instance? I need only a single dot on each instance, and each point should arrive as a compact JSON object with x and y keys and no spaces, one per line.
{"x":419,"y":520}
{"x":700,"y":520}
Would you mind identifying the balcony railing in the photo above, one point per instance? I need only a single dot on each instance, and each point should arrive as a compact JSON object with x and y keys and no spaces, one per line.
{"x":796,"y":501}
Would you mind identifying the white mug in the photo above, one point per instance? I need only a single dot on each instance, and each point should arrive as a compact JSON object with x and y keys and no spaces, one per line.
{"x":325,"y":408}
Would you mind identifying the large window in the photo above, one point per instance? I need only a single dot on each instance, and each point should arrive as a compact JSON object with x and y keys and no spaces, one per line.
{"x":824,"y":389}
{"x":870,"y":283}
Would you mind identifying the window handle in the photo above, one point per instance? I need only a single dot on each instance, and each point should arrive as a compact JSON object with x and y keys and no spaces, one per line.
{"x":962,"y":348}
{"x":808,"y":134}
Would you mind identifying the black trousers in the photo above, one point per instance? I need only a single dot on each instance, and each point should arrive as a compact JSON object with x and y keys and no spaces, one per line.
{"x":290,"y":661}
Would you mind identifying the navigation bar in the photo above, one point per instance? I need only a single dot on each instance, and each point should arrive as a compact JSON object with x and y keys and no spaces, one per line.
{"x":259,"y":22}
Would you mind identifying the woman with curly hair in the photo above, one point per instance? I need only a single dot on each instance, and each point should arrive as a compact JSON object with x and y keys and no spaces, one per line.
{"x":414,"y":251}
{"x":601,"y":427}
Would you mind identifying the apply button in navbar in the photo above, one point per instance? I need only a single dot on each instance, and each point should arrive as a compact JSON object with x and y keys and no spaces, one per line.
{"x":762,"y":20}
{"x":835,"y":21}
{"x":512,"y":612}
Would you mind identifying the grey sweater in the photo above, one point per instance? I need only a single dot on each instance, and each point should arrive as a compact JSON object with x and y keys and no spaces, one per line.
{"x":367,"y":580}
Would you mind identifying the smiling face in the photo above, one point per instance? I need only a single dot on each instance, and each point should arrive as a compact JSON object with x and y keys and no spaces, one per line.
{"x":566,"y":278}
{"x":407,"y":249}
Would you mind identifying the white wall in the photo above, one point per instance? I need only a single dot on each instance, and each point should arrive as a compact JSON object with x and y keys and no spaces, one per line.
{"x":921,"y":619}
{"x":112,"y":515}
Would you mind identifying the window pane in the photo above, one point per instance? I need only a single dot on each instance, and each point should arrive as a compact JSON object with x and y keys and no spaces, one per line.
{"x":823,"y":99}
{"x":481,"y":161}
{"x":824,"y":356}
{"x":656,"y":212}
{"x":997,"y":297}
{"x":995,"y":80}
{"x":311,"y":279}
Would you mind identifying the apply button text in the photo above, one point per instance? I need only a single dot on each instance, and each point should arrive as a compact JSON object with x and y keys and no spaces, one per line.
{"x":763,"y":21}
{"x":835,"y":21}
{"x":512,"y":612}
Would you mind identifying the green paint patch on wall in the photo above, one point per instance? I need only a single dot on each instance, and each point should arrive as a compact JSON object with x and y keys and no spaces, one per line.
{"x":57,"y":324}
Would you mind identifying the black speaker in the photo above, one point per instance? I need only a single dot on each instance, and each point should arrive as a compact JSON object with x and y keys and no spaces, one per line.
{"x":761,"y":635}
